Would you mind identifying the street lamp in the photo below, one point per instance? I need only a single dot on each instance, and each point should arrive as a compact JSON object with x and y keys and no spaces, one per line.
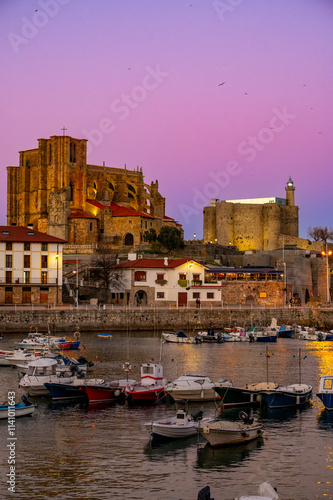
{"x":77,"y":284}
{"x":327,"y":253}
{"x":57,"y":259}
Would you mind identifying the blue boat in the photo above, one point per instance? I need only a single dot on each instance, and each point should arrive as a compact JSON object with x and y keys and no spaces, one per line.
{"x":287,"y":396}
{"x":105,"y":335}
{"x":71,"y":390}
{"x":325,"y":393}
{"x":18,"y":409}
{"x":286,"y":332}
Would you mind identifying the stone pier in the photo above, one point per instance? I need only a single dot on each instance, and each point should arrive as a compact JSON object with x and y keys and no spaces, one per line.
{"x":156,"y":320}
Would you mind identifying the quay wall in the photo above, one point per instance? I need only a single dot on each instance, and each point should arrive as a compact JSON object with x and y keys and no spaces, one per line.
{"x":136,"y":320}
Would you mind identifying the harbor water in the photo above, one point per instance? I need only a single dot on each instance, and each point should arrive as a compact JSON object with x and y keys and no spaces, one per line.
{"x":91,"y":452}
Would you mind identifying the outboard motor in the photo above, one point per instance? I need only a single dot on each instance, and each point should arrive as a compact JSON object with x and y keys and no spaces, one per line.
{"x":26,"y":400}
{"x":197,"y":414}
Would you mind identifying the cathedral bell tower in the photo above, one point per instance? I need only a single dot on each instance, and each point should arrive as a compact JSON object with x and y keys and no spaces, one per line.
{"x":290,"y":193}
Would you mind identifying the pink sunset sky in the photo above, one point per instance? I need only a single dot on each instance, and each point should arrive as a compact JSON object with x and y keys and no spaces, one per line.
{"x":214,"y":98}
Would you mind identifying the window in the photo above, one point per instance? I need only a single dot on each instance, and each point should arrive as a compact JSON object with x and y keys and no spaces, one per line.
{"x":196,"y":295}
{"x":196,"y":277}
{"x":26,"y":276}
{"x":8,"y":276}
{"x":160,"y":276}
{"x":140,"y":276}
{"x":26,"y":261}
{"x":130,"y":221}
{"x":90,"y":226}
{"x":9,"y":261}
{"x":44,"y":277}
{"x":131,"y":188}
{"x":9,"y":245}
{"x":26,"y":246}
{"x":160,"y":295}
{"x":44,"y":261}
{"x":72,"y":157}
{"x":210,"y":295}
{"x":44,"y":247}
{"x":182,"y":276}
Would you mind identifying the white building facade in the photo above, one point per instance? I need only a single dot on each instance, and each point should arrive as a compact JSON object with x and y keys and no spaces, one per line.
{"x":30,"y":266}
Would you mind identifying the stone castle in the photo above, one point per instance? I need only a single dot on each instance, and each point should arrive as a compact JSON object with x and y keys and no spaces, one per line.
{"x":56,"y":191}
{"x":254,"y":224}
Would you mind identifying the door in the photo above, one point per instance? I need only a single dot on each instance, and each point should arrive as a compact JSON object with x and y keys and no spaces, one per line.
{"x":182,"y":299}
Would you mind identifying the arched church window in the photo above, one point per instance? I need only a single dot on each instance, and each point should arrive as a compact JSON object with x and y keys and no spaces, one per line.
{"x":131,"y":188}
{"x":95,"y":185}
{"x":111,"y":186}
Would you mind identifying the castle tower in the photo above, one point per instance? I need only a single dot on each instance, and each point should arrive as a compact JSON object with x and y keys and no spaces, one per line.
{"x":290,"y":193}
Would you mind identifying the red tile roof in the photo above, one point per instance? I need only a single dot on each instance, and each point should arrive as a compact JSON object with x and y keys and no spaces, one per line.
{"x":79,"y":214}
{"x":118,"y":210}
{"x":22,"y":234}
{"x":157,"y":263}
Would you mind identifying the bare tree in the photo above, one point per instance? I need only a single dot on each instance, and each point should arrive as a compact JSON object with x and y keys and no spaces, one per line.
{"x":320,"y":233}
{"x":104,"y":271}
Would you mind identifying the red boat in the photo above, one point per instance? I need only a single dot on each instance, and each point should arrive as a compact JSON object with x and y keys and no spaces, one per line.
{"x":151,"y":387}
{"x":109,"y":391}
{"x":65,"y":345}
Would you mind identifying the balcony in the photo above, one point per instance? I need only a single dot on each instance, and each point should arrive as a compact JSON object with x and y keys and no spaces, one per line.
{"x":31,"y":281}
{"x":196,"y":282}
{"x":161,"y":282}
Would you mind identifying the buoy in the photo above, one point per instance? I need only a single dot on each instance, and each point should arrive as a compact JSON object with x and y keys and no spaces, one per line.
{"x":93,"y":425}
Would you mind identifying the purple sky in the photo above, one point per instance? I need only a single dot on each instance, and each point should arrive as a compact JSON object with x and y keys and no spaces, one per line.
{"x":140,"y":80}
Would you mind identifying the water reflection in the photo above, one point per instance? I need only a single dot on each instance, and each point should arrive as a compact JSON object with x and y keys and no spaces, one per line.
{"x":284,"y":415}
{"x":325,"y":420}
{"x":210,"y":458}
{"x":160,"y":450}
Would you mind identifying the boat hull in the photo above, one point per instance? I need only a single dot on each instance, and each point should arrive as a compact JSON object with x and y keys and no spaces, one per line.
{"x":326,"y":399}
{"x":266,"y":338}
{"x":286,"y":398}
{"x":19,"y":410}
{"x":233,"y":396}
{"x":193,"y":395}
{"x":66,"y":391}
{"x":143,"y":393}
{"x":103,"y":394}
{"x":223,"y":433}
{"x":168,"y":429}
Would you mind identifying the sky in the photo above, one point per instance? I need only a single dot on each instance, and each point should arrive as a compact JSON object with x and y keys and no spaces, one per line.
{"x":220,"y":99}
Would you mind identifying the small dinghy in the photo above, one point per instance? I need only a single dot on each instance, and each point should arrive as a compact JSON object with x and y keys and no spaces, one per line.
{"x":180,"y":426}
{"x":226,"y":433}
{"x":18,"y":409}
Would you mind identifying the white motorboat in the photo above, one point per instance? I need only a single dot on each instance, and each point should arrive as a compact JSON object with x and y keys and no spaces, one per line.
{"x":40,"y":372}
{"x":180,"y":426}
{"x":192,"y":388}
{"x":22,"y":357}
{"x":225,"y":433}
{"x":177,"y":336}
{"x":5,"y":357}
